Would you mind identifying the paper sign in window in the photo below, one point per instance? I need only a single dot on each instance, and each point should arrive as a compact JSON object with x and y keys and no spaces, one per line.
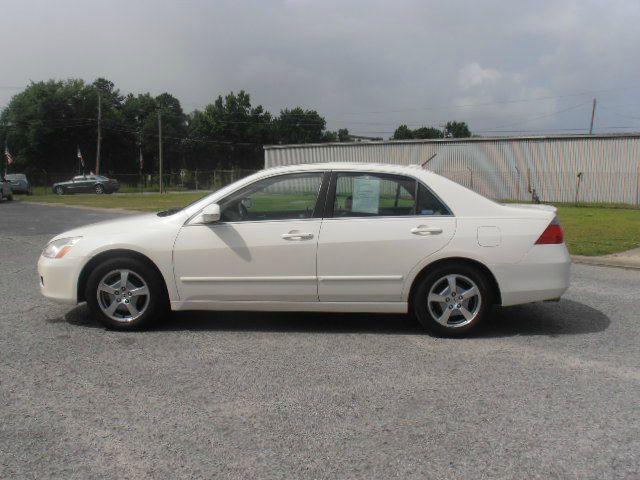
{"x":366,"y":195}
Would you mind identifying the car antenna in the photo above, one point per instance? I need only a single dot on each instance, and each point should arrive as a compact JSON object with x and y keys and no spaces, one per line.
{"x":423,"y":164}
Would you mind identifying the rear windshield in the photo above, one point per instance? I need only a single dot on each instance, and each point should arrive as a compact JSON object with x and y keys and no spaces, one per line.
{"x":16,"y":176}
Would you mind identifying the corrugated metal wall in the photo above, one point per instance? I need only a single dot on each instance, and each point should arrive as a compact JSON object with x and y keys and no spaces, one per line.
{"x":503,"y":168}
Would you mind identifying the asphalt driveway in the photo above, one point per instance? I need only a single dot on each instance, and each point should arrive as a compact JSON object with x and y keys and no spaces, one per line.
{"x":545,"y":390}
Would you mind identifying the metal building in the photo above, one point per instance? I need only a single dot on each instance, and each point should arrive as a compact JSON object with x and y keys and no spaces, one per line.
{"x":595,"y":168}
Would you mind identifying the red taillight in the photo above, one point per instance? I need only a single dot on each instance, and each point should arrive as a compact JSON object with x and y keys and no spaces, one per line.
{"x":552,"y":235}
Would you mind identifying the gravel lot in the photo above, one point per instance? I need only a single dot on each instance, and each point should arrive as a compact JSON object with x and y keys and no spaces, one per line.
{"x":545,"y":390}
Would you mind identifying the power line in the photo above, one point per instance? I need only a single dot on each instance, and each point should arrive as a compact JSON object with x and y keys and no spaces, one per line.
{"x":501,"y":102}
{"x":618,"y":113}
{"x":467,"y":105}
{"x":543,"y":116}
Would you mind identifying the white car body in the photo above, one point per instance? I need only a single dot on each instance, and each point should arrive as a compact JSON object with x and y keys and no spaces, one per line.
{"x":345,"y":265}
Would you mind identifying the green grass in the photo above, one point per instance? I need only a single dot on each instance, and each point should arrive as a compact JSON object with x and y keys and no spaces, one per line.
{"x":152,"y":202}
{"x":600,"y":231}
{"x":589,"y":230}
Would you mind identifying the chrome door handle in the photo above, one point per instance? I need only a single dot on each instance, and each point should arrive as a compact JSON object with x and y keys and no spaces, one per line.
{"x":293,"y":235}
{"x":424,"y":230}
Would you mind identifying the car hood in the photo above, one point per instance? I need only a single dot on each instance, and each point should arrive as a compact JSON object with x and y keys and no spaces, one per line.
{"x":128,"y":226}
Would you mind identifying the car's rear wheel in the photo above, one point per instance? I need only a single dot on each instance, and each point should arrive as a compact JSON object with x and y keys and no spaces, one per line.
{"x":99,"y":189}
{"x":452,"y":300}
{"x":10,"y":197}
{"x":125,"y":294}
{"x":60,"y":190}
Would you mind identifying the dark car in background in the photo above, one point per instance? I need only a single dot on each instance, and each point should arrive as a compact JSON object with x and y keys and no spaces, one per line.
{"x":5,"y":189}
{"x":19,"y":183}
{"x":87,"y":184}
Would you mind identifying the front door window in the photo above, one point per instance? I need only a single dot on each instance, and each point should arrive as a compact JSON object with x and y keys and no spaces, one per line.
{"x":285,"y":197}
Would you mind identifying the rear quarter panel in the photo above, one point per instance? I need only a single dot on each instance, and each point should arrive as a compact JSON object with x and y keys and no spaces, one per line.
{"x":517,"y":237}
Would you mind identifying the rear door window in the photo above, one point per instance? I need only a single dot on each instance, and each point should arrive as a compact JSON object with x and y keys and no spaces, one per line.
{"x":360,"y":194}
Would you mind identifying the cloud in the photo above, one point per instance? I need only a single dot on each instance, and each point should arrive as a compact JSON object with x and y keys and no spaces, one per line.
{"x":367,"y":65}
{"x":473,"y":75}
{"x":505,"y":97}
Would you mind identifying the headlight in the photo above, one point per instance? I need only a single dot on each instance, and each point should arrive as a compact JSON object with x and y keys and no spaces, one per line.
{"x":59,"y":248}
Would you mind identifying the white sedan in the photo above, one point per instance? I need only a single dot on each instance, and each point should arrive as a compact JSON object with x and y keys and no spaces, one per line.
{"x":333,"y":237}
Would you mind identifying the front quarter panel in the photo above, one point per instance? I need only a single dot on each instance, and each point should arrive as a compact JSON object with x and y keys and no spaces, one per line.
{"x":151,"y":237}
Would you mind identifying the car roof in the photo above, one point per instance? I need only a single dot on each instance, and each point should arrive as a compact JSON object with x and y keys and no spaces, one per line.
{"x":349,"y":166}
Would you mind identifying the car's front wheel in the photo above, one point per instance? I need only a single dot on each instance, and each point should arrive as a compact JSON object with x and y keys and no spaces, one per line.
{"x":59,"y":190}
{"x":452,"y":300}
{"x":125,"y":294}
{"x":99,"y":189}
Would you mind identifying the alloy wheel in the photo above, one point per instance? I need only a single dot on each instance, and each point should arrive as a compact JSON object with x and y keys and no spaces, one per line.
{"x":123,"y":295}
{"x":454,"y":301}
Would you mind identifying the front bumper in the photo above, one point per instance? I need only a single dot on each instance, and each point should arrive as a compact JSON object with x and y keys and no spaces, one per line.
{"x":58,"y":278}
{"x":543,"y":274}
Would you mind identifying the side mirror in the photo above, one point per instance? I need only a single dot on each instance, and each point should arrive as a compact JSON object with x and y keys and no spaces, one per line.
{"x":211,"y":213}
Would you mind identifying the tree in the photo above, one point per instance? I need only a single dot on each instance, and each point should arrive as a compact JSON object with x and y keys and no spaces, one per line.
{"x":329,"y":137}
{"x":402,"y":133}
{"x":44,"y":124}
{"x":457,"y":130}
{"x":230,"y":132}
{"x":427,"y":132}
{"x":343,"y":135}
{"x":299,"y":126}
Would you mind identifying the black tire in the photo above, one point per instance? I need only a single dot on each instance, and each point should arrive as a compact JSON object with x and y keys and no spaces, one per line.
{"x":10,"y":197}
{"x":157,"y":303}
{"x":59,"y":190}
{"x":457,"y":325}
{"x":99,"y":189}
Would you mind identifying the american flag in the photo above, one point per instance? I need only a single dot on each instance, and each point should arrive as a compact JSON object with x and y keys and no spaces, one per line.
{"x":80,"y":156}
{"x":8,"y":155}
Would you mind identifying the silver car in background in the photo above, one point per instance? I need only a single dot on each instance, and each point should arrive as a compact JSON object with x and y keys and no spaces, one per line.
{"x":19,"y":183}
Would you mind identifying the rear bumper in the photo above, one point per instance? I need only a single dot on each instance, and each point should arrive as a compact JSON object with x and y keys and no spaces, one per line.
{"x":543,"y":274}
{"x":58,"y":279}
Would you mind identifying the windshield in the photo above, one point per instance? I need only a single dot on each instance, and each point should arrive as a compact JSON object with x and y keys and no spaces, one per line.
{"x":173,"y":211}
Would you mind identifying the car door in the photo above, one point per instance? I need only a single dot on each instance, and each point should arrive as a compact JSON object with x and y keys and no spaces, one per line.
{"x":379,"y":228}
{"x":76,"y":184}
{"x":88,"y":184}
{"x":262,"y":249}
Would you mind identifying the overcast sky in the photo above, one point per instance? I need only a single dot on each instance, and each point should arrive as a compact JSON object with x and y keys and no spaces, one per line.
{"x":368,"y":65}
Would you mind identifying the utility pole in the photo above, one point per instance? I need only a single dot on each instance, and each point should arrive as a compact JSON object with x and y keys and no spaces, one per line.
{"x":99,"y":134}
{"x":593,"y":115}
{"x":160,"y":147}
